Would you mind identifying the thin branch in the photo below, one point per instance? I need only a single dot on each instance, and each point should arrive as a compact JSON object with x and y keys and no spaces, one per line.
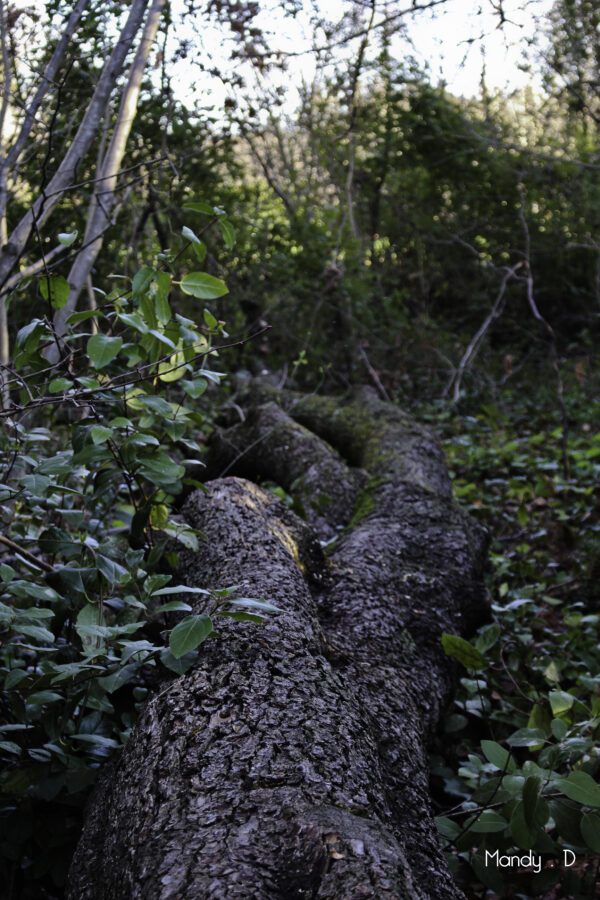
{"x":475,"y":343}
{"x":127,"y":379}
{"x":550,"y":331}
{"x":34,"y":268}
{"x":29,"y":556}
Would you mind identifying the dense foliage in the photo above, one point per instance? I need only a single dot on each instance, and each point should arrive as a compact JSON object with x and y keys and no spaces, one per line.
{"x":522,"y":775}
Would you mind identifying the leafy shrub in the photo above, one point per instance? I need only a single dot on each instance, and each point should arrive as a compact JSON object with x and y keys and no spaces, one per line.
{"x":88,"y":515}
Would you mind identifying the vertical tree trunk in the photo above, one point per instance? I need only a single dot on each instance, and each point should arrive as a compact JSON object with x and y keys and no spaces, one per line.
{"x":64,"y":176}
{"x":104,"y":198}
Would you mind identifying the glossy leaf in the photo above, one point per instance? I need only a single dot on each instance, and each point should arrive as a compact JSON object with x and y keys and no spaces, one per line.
{"x":189,"y":634}
{"x":203,"y":286}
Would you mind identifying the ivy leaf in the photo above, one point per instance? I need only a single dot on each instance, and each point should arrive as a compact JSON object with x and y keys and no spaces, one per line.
{"x":203,"y":286}
{"x":102,"y":349}
{"x":189,"y":634}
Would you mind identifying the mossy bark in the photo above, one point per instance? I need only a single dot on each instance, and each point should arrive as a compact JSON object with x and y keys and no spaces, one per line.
{"x":290,"y":761}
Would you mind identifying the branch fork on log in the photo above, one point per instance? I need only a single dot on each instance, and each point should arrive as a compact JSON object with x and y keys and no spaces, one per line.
{"x":290,"y":762}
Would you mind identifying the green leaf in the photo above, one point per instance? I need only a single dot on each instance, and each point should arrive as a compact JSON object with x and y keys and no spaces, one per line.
{"x":203,"y":286}
{"x":162,"y":308}
{"x":523,"y":834}
{"x":189,"y":634}
{"x":13,"y":678}
{"x":10,"y":747}
{"x":447,"y":827}
{"x":487,"y":637}
{"x":498,"y":756}
{"x":159,"y":515}
{"x":135,"y":321}
{"x":35,"y":613}
{"x":158,"y":405}
{"x":241,"y":616}
{"x":195,"y":388}
{"x":82,"y":316}
{"x":179,"y":666}
{"x":179,"y":589}
{"x":28,"y":336}
{"x":200,"y":251}
{"x":568,"y":820}
{"x":173,"y":606}
{"x":209,"y":319}
{"x":526,"y":737}
{"x":160,"y":469}
{"x":112,"y":571}
{"x":581,"y":787}
{"x":558,"y":728}
{"x":100,"y":434}
{"x":173,"y":368}
{"x":40,"y":698}
{"x":67,"y":238}
{"x":560,"y":702}
{"x":488,"y":822}
{"x":117,"y":679}
{"x":37,"y":633}
{"x":24,"y":588}
{"x":228,"y":233}
{"x":200,"y":207}
{"x":58,"y":385}
{"x":97,"y":739}
{"x":55,"y":288}
{"x":464,"y":652}
{"x":102,"y":349}
{"x":254,"y":604}
{"x":141,"y":281}
{"x":590,"y":831}
{"x":182,"y":533}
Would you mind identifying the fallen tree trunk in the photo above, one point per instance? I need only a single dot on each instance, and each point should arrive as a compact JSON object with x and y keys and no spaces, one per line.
{"x":290,"y":761}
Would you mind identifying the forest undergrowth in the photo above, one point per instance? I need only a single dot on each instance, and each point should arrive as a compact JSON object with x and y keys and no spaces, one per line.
{"x":515,"y":772}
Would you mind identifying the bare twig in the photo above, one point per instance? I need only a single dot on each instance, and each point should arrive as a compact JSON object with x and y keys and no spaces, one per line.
{"x":550,"y":332}
{"x":25,"y":553}
{"x":473,"y":348}
{"x":374,"y":375}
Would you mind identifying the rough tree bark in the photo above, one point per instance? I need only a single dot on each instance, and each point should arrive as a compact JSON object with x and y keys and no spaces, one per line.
{"x":290,"y":761}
